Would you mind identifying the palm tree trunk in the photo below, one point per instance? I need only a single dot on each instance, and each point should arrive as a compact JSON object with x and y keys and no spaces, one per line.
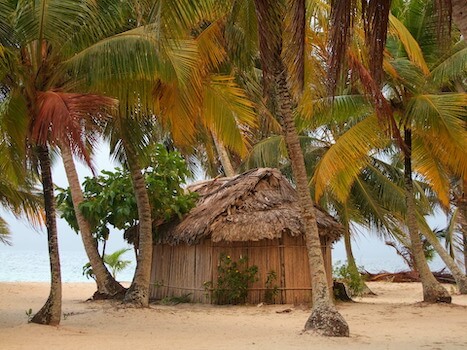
{"x":461,"y":279}
{"x":462,"y":205}
{"x":352,"y":264}
{"x":433,"y":291}
{"x":138,"y":293}
{"x":324,"y":317}
{"x":223,"y":156}
{"x":51,"y":312}
{"x":464,"y":242}
{"x":459,"y":16}
{"x":107,"y":286}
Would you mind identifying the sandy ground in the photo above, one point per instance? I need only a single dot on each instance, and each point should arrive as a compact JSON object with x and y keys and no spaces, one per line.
{"x":392,"y":320}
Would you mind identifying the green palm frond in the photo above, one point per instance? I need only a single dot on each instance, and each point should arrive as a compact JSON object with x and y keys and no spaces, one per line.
{"x":338,"y":109}
{"x":344,"y":160}
{"x":22,"y":200}
{"x":54,"y":20}
{"x":226,"y":109}
{"x":269,"y":152}
{"x":451,"y":68}
{"x":115,"y":262}
{"x":178,"y":17}
{"x":6,"y":27}
{"x":4,"y":232}
{"x":408,"y":74}
{"x":137,"y":54}
{"x":14,"y":124}
{"x":241,"y":34}
{"x":409,"y":42}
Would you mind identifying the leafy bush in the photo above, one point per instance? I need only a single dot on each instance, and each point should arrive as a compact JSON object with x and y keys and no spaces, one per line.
{"x":233,"y":280}
{"x":109,"y":200}
{"x":271,"y":288}
{"x":353,"y":279}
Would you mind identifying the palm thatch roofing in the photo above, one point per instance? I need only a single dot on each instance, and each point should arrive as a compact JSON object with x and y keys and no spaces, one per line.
{"x":259,"y":204}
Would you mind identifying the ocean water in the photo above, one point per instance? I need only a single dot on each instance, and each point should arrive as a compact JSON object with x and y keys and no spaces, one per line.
{"x":33,"y":266}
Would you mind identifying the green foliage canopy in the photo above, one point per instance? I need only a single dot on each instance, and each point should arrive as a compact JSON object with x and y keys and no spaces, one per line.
{"x":109,"y":198}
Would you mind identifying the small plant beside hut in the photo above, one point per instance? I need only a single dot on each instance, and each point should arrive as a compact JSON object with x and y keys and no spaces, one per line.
{"x":272,"y":289}
{"x":233,"y":280}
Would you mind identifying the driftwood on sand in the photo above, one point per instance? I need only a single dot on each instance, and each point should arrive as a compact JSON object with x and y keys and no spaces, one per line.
{"x":407,"y":276}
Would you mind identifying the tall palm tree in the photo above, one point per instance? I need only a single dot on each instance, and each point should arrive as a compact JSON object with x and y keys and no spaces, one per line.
{"x":107,"y":287}
{"x":413,"y":87}
{"x":324,"y":317}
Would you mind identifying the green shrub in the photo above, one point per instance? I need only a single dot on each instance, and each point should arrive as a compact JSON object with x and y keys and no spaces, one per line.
{"x":233,"y":280}
{"x":352,"y":279}
{"x":271,"y":288}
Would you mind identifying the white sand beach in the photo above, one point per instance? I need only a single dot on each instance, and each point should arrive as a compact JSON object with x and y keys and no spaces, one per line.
{"x":394,"y":319}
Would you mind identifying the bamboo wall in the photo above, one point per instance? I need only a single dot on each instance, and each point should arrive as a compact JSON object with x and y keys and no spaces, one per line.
{"x":183,"y":269}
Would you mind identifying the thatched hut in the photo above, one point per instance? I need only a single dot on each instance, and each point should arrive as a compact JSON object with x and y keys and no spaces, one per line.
{"x":254,"y":214}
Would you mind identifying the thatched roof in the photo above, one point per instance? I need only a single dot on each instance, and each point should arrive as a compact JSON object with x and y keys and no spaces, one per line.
{"x":259,"y":204}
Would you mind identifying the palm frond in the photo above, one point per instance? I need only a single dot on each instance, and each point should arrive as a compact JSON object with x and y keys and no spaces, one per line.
{"x":61,"y":115}
{"x":178,"y":17}
{"x":411,"y":46}
{"x":52,"y":20}
{"x":211,"y":45}
{"x":14,"y":124}
{"x":431,"y":168}
{"x":6,"y":26}
{"x":294,"y":44}
{"x":344,"y":160}
{"x":269,"y":152}
{"x":227,"y":110}
{"x":4,"y":232}
{"x":136,"y":54}
{"x":452,"y":68}
{"x":241,"y":33}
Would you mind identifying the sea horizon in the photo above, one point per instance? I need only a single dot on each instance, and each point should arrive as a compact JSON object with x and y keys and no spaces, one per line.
{"x":27,"y":265}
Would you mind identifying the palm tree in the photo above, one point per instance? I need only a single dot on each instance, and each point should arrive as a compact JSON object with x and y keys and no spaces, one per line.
{"x":107,"y":287}
{"x":324,"y":317}
{"x":115,"y":262}
{"x":425,"y":113}
{"x":28,"y":80}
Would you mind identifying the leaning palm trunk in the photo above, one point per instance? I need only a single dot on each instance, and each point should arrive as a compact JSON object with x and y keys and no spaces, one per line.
{"x":107,"y":286}
{"x":223,"y":156}
{"x":462,"y":205}
{"x":51,"y":312}
{"x":138,"y":293}
{"x":461,"y":279}
{"x":433,"y":291}
{"x":324,"y":317}
{"x":352,"y":264}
